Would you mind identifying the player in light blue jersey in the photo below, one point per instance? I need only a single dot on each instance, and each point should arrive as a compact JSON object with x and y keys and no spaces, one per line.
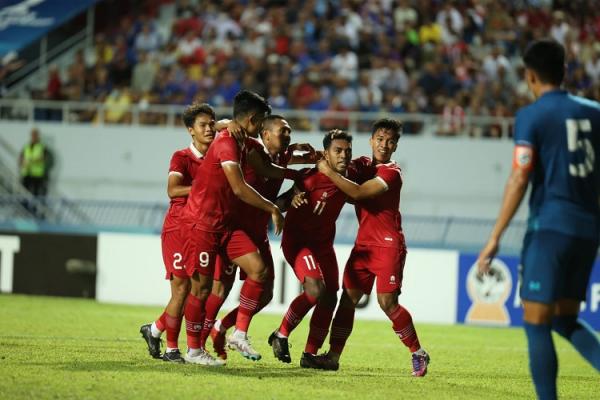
{"x":557,"y":149}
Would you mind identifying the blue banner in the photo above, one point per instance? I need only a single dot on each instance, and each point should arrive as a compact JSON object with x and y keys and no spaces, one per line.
{"x":495,"y":300}
{"x":23,"y":21}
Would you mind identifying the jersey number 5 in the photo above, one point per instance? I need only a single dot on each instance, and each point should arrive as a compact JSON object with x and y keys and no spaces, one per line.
{"x":581,"y":151}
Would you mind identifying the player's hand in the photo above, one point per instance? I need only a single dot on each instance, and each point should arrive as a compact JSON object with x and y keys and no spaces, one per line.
{"x":299,"y":199}
{"x":485,"y":257}
{"x":236,"y":131}
{"x":323,"y":166}
{"x":277,"y":218}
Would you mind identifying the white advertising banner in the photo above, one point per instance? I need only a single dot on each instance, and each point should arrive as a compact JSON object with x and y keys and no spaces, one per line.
{"x":130,"y":271}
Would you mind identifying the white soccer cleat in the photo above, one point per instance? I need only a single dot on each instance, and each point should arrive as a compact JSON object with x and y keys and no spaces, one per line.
{"x":242,"y":345}
{"x":203,"y":358}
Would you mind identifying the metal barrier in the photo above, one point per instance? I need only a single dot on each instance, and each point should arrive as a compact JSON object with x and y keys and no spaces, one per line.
{"x":67,"y":112}
{"x":91,"y":216}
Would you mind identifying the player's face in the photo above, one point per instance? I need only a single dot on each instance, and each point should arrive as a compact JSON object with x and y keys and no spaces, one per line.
{"x":383,"y":143}
{"x":278,"y":136}
{"x":338,"y":155}
{"x":255,"y":124}
{"x":203,"y":130}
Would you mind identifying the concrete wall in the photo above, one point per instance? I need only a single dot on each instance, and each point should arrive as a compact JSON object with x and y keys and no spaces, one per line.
{"x":443,"y":176}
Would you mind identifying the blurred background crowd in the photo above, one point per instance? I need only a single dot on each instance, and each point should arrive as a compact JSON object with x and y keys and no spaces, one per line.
{"x":455,"y":58}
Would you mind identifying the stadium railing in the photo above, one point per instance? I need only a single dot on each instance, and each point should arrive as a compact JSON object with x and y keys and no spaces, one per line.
{"x":68,"y":112}
{"x":92,"y":216}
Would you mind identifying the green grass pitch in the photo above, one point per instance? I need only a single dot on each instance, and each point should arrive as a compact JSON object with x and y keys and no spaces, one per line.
{"x":57,"y":348}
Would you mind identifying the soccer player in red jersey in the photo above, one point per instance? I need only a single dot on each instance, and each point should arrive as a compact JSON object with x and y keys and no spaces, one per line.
{"x":307,"y":245}
{"x":379,"y":250}
{"x":199,"y":120}
{"x":210,"y":228}
{"x":262,"y":173}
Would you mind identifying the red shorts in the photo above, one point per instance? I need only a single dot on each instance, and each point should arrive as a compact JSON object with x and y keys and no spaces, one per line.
{"x":202,"y":248}
{"x":367,"y":262}
{"x":225,"y":272}
{"x":313,"y":261}
{"x":172,"y":244}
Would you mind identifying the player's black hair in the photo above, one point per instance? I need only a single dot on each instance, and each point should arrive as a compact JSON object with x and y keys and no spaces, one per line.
{"x":335,"y":134}
{"x":269,"y":121}
{"x":247,"y":102}
{"x":546,"y":57}
{"x":388,"y":124}
{"x":192,"y":111}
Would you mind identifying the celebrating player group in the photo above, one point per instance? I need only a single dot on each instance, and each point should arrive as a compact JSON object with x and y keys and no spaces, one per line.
{"x":224,"y":190}
{"x":225,"y":187}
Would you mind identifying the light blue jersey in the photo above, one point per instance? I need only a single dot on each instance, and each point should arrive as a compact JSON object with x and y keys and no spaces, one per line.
{"x":564,"y":132}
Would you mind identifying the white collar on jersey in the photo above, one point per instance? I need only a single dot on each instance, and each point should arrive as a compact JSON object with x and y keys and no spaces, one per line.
{"x":195,"y":151}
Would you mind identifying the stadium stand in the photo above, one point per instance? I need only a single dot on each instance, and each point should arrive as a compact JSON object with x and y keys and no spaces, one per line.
{"x":456,"y":59}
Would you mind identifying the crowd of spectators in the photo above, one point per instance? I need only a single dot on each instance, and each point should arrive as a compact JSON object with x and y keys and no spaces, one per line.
{"x":455,"y":58}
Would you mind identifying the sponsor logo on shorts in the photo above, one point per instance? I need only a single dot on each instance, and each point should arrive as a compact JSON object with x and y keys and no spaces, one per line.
{"x":535,"y":286}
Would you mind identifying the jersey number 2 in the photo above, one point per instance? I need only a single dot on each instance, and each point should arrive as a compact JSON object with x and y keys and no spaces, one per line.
{"x":581,"y":151}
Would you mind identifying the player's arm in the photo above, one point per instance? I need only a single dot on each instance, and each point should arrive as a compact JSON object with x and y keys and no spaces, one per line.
{"x":175,"y":187}
{"x":247,"y":194}
{"x":310,"y":155}
{"x":371,"y":188}
{"x":515,"y":189}
{"x":268,"y":169}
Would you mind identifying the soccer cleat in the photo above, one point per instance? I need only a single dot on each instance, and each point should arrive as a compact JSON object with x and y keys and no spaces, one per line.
{"x":218,"y":339}
{"x":152,"y":342}
{"x":203,"y":358}
{"x":326,"y":362}
{"x":420,"y":363}
{"x":281,"y":348}
{"x":173,"y":356}
{"x":242,"y":345}
{"x":309,"y":361}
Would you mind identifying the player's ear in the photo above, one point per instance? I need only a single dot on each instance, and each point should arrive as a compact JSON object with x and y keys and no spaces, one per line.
{"x":530,"y":76}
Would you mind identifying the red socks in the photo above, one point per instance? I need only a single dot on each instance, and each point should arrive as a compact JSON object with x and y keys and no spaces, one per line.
{"x":341,"y":328}
{"x":213,"y":305}
{"x":319,"y":327}
{"x":161,"y":322}
{"x":173,"y":327}
{"x":194,"y":320}
{"x":249,"y":301}
{"x":297,"y":310}
{"x":404,"y":328}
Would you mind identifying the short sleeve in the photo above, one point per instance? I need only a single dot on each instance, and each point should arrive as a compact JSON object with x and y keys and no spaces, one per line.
{"x":178,"y":164}
{"x":524,"y":128}
{"x":389,"y":175}
{"x":227,"y":150}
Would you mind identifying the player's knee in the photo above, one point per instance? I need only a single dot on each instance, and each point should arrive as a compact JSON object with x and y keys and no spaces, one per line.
{"x":387,"y":301}
{"x":314,"y":288}
{"x":564,"y":325}
{"x":180,"y":290}
{"x":349,"y":301}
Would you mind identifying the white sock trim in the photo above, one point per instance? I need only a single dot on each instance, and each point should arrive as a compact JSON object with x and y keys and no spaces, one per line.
{"x":155,"y":331}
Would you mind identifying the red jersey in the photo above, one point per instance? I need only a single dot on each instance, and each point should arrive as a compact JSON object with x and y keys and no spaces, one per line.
{"x":380,"y":222}
{"x":184,"y":163}
{"x":254,"y":220}
{"x":212,"y":203}
{"x":315,"y":222}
